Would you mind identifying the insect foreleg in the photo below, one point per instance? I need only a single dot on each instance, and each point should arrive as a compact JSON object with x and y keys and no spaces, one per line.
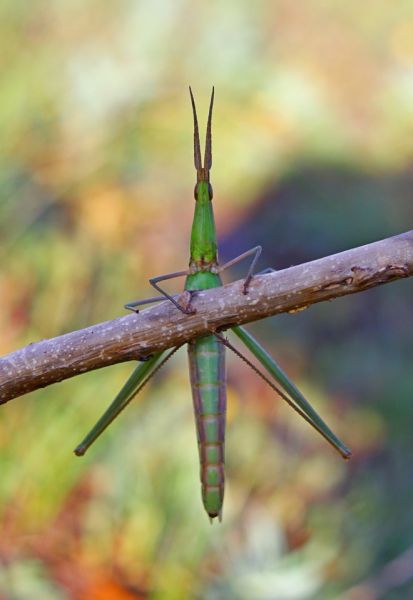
{"x":256,"y":252}
{"x":154,"y":283}
{"x":132,"y":305}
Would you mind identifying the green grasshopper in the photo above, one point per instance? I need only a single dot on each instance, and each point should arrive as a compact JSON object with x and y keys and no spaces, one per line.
{"x":207,"y":354}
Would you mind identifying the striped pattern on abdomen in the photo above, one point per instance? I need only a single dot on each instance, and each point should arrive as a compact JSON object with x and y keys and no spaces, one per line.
{"x":207,"y":372}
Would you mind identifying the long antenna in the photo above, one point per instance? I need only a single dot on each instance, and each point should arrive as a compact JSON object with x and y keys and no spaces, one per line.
{"x":208,"y":140}
{"x":197,"y":147}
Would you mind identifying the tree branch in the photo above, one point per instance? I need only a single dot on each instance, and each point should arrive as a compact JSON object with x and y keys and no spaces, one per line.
{"x":162,"y":326}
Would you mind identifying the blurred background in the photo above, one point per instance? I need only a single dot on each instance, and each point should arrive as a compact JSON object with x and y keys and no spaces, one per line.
{"x":312,"y":154}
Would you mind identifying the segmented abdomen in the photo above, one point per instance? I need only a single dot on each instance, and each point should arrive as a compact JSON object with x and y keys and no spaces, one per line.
{"x":207,"y":372}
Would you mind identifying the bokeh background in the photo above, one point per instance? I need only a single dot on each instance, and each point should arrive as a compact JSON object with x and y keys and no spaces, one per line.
{"x":313,"y":149}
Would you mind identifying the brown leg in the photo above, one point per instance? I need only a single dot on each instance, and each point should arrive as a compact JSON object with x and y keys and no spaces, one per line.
{"x":132,"y":305}
{"x":256,"y":252}
{"x":187,"y":310}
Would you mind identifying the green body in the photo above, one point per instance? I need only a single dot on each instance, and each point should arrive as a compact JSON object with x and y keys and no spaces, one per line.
{"x":203,"y":245}
{"x":207,"y":354}
{"x":207,"y":359}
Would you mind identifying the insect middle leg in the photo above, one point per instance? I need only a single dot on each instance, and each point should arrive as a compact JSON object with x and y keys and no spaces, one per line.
{"x":267,"y":271}
{"x":135,"y":303}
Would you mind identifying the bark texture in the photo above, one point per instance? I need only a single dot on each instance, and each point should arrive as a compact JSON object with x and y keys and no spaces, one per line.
{"x":162,"y":326}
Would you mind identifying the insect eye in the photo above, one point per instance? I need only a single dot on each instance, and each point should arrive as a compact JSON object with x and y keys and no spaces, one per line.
{"x":196,"y":192}
{"x":210,"y":191}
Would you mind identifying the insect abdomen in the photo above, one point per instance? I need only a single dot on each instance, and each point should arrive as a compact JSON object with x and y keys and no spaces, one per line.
{"x":207,"y":372}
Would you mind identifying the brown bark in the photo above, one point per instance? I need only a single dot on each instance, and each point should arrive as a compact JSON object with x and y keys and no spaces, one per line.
{"x":162,"y":326}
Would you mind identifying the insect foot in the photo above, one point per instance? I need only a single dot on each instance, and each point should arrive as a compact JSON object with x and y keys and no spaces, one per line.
{"x":185,"y":302}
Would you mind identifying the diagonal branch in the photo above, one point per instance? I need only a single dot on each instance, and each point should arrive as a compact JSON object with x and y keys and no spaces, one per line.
{"x":135,"y":336}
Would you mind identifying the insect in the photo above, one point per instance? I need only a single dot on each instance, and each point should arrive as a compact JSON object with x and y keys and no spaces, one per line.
{"x":207,"y":354}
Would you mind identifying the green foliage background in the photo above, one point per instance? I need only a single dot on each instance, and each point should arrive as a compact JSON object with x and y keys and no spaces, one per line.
{"x":313,"y":146}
